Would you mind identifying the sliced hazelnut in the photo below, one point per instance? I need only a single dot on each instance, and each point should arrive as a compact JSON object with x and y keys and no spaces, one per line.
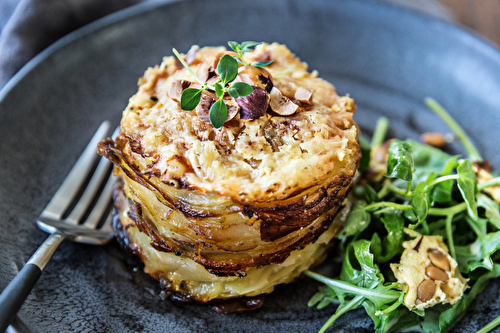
{"x":282,"y":105}
{"x":254,"y":105}
{"x":213,"y":79}
{"x":207,"y":99}
{"x":255,"y":76}
{"x":177,"y":88}
{"x":304,"y":95}
{"x":232,"y":107}
{"x":195,"y":85}
{"x":205,"y":71}
{"x":434,"y":139}
{"x":426,"y":290}
{"x":203,"y":108}
{"x":436,"y":274}
{"x":191,"y":55}
{"x":439,"y":259}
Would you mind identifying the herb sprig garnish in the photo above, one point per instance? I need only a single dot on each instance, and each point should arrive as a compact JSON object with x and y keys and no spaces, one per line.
{"x":243,"y":48}
{"x":428,"y":191}
{"x":227,"y":69}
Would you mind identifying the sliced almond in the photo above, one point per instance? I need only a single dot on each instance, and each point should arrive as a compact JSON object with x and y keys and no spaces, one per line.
{"x":282,"y":105}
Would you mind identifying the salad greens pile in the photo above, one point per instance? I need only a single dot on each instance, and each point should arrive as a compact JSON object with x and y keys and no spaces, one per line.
{"x":421,"y":188}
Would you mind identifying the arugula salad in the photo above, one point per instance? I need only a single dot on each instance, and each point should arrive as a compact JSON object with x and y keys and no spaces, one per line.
{"x":422,"y":238}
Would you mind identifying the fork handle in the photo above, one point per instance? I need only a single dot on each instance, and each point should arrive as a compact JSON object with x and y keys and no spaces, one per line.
{"x":18,"y":289}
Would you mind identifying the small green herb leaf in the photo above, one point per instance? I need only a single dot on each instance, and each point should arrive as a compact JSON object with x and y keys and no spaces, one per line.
{"x":245,"y":46}
{"x":467,"y":186}
{"x":240,"y":89}
{"x":262,"y":63}
{"x":400,"y":161}
{"x":218,"y":113}
{"x":227,"y":69}
{"x":219,"y":90}
{"x":235,"y":46}
{"x":190,"y":98}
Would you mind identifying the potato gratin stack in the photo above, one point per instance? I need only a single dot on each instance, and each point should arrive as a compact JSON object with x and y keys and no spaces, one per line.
{"x":231,"y":212}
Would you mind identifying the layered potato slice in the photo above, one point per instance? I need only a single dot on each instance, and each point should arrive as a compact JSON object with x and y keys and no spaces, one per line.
{"x":233,"y":211}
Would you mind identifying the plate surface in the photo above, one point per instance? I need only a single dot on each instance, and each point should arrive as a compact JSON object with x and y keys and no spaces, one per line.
{"x":387,"y":58}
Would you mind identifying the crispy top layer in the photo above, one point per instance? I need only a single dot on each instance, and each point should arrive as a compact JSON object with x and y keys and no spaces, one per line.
{"x":267,"y":159}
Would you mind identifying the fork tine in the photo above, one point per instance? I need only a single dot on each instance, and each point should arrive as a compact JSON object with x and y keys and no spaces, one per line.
{"x":102,"y":171}
{"x":73,"y":182}
{"x":101,"y":206}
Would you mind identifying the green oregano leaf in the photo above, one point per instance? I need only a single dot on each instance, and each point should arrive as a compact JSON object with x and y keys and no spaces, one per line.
{"x":227,"y":69}
{"x":219,"y":90}
{"x":240,"y":89}
{"x":245,"y":46}
{"x":218,"y":113}
{"x":263,"y":63}
{"x":400,"y":161}
{"x":190,"y":98}
{"x":235,"y":46}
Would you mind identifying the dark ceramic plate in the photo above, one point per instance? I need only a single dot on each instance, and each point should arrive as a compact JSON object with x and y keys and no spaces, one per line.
{"x":389,"y":59}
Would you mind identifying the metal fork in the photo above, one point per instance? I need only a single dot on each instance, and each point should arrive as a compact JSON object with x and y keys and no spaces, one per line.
{"x":79,"y":211}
